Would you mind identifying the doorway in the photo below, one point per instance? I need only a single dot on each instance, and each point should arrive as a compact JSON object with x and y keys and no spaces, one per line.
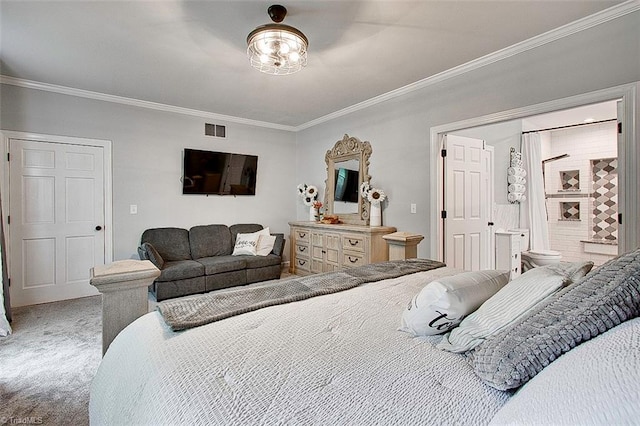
{"x":58,"y":218}
{"x":627,"y":149}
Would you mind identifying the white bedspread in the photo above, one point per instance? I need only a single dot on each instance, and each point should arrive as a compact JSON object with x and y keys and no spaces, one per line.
{"x":335,"y":359}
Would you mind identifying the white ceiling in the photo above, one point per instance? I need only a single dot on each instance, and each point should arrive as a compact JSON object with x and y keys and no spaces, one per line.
{"x":192,"y":54}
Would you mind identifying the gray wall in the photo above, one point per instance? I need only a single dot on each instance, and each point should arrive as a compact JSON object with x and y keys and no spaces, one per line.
{"x":147,"y":162}
{"x":399,"y":129}
{"x":147,"y":144}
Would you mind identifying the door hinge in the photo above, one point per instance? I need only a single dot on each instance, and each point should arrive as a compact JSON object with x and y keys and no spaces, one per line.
{"x":620,"y":218}
{"x":443,"y":214}
{"x":8,"y":282}
{"x":620,"y":127}
{"x":8,"y":220}
{"x":8,"y":157}
{"x":443,"y":153}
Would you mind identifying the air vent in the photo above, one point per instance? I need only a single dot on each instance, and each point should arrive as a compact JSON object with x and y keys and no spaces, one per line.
{"x":215,"y":130}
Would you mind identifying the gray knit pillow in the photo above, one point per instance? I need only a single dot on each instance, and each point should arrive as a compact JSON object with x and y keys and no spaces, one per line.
{"x":606,"y":297}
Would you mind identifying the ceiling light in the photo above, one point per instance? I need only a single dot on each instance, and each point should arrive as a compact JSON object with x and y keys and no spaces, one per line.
{"x":277,"y":48}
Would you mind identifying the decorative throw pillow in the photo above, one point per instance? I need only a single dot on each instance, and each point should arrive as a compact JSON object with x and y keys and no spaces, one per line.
{"x":443,"y":303}
{"x":265,"y":244}
{"x":603,"y":299}
{"x":512,"y":301}
{"x":153,"y":255}
{"x":246,"y":244}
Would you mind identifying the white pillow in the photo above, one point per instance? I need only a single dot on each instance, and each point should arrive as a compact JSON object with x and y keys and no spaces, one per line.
{"x":246,"y":244}
{"x":265,"y":244}
{"x":442,"y":304}
{"x":512,"y":301}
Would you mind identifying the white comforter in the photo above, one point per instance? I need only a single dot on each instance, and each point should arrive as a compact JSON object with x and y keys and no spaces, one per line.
{"x":335,"y":359}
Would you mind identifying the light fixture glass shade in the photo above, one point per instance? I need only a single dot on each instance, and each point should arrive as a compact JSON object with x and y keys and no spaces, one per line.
{"x":277,"y":49}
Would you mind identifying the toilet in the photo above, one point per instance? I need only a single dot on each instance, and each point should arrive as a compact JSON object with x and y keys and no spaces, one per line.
{"x":535,"y":258}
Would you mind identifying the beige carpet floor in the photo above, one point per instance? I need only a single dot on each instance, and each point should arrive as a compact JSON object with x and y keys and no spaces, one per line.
{"x":47,"y":364}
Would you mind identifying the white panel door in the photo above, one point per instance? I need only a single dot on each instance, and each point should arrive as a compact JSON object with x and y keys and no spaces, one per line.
{"x":56,"y":207}
{"x":465,"y":201}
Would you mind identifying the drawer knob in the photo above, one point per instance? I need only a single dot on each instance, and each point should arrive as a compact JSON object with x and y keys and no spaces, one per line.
{"x":303,"y":248}
{"x":352,"y":260}
{"x":353,"y":243}
{"x":302,"y":234}
{"x":301,"y":262}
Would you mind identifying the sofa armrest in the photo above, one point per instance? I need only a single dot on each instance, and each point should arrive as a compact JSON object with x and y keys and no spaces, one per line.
{"x":278,"y":246}
{"x":147,"y":252}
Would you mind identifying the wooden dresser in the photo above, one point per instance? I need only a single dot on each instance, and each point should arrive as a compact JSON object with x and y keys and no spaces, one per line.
{"x":318,"y":247}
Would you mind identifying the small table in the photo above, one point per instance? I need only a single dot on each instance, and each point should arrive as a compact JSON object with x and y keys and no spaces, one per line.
{"x":403,"y":245}
{"x":124,"y":285}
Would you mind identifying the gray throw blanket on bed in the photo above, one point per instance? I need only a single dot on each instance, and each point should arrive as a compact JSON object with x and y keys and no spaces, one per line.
{"x":181,"y":314}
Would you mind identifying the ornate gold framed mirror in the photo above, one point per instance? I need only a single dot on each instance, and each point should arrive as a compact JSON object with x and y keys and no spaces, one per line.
{"x":347,"y":167}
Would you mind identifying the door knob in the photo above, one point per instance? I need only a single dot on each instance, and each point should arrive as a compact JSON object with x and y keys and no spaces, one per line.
{"x":98,"y":228}
{"x":490,"y":223}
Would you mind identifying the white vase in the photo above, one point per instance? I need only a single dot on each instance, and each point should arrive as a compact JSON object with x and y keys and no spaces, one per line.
{"x":375,"y":217}
{"x":313,"y":212}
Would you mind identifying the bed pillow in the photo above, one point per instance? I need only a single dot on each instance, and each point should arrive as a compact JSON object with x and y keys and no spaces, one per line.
{"x":265,"y":244}
{"x":603,"y":299}
{"x":443,"y":303}
{"x":512,"y":301}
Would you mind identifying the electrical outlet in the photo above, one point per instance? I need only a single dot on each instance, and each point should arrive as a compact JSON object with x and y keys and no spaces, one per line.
{"x":133,"y":209}
{"x":413,"y":208}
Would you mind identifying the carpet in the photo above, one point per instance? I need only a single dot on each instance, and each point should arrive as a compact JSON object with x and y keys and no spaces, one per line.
{"x":47,"y":364}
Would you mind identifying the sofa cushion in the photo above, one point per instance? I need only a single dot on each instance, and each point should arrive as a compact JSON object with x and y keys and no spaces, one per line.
{"x":210,"y":240}
{"x":150,"y":253}
{"x":171,"y":243}
{"x":261,"y":261}
{"x":243,"y":228}
{"x":180,"y":270}
{"x":218,"y":264}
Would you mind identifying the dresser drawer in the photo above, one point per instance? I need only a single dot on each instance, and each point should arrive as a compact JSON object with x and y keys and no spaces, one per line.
{"x":353,"y":243}
{"x":302,"y":250}
{"x":302,"y":264}
{"x":301,"y":235}
{"x":351,"y":260}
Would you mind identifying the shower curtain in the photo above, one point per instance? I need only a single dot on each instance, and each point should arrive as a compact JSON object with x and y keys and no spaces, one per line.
{"x":533,"y":211}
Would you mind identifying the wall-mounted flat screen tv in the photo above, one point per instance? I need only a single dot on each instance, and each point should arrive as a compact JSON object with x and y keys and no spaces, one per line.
{"x":220,"y":173}
{"x":346,"y":186}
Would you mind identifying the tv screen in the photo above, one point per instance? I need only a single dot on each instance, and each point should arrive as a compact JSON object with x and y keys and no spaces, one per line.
{"x":346,"y":186}
{"x":221,"y":173}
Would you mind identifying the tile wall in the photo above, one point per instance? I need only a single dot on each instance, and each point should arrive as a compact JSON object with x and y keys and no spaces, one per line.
{"x":569,"y":184}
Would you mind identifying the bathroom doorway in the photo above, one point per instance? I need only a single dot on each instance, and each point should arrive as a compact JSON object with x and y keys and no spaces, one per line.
{"x":580,"y":169}
{"x":507,"y":128}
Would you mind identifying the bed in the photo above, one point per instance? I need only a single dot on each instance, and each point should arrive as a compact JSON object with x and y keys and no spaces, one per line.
{"x":334,"y":359}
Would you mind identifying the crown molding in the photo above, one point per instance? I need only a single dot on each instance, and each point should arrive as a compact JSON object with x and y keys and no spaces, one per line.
{"x":604,"y":16}
{"x":30,"y":84}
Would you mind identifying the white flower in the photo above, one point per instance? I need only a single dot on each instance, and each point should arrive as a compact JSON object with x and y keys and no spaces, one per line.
{"x":376,"y":196}
{"x":308,"y":193}
{"x":311,"y":192}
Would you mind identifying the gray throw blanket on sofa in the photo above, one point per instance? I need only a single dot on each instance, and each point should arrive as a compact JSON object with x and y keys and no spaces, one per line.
{"x":181,"y":314}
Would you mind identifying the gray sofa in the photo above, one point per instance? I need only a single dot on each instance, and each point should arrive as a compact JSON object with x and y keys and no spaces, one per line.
{"x":199,"y":260}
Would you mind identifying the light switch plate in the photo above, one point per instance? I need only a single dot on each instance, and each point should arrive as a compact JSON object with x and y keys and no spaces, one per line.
{"x":133,"y":209}
{"x":413,"y":208}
